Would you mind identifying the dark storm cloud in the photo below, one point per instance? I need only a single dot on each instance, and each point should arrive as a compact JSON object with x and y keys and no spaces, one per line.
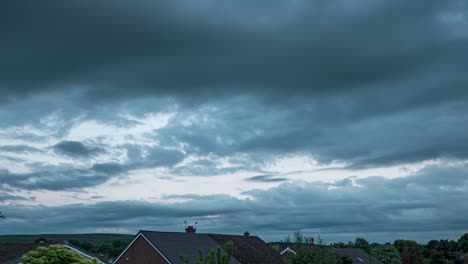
{"x":367,"y":84}
{"x":374,"y":206}
{"x":326,"y":133}
{"x":191,"y":51}
{"x":75,"y":149}
{"x":55,"y":179}
{"x":348,"y":82}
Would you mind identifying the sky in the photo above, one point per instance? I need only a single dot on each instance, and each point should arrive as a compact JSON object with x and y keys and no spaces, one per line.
{"x":335,"y":118}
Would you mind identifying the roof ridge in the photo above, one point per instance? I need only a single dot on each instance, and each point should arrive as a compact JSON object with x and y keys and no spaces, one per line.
{"x":216,"y":234}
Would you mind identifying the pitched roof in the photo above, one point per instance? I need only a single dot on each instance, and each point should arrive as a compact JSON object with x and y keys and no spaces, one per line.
{"x":247,"y":249}
{"x":83,"y":252}
{"x":287,"y":250}
{"x":173,"y":245}
{"x":12,"y":253}
{"x":250,"y":249}
{"x":358,"y":255}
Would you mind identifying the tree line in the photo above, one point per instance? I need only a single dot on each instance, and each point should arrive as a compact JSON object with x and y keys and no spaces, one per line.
{"x":399,"y":252}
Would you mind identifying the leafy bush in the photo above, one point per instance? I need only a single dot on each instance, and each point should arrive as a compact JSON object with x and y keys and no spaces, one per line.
{"x":387,"y":253}
{"x":55,"y":254}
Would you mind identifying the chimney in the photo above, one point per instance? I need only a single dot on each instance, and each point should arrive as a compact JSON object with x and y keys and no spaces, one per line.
{"x":312,"y":243}
{"x":190,"y":229}
{"x":246,"y":233}
{"x":281,"y":247}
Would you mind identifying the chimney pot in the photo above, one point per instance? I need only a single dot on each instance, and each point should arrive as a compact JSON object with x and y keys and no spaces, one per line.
{"x":190,"y":229}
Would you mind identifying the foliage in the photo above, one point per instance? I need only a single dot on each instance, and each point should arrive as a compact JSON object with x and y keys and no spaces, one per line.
{"x":74,"y":242}
{"x":362,"y":244}
{"x":55,"y":254}
{"x":214,"y":257}
{"x":316,"y":256}
{"x":441,"y":252}
{"x":462,"y":243}
{"x":400,"y":244}
{"x":305,"y":254}
{"x":437,"y":258}
{"x":87,"y":247}
{"x":387,"y":253}
{"x":113,"y":249}
{"x":340,"y":245}
{"x":411,"y":252}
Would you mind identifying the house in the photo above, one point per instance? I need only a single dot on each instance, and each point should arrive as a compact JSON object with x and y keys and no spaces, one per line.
{"x":167,"y":247}
{"x":12,"y":253}
{"x":82,"y":252}
{"x":287,"y":251}
{"x":357,"y":255}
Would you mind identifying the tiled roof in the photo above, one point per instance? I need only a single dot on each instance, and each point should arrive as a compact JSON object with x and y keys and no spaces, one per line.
{"x":247,"y":249}
{"x":250,"y":249}
{"x":12,"y":253}
{"x":358,"y":255}
{"x":173,"y":245}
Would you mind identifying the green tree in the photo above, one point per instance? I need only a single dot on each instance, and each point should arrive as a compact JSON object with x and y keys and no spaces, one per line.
{"x":340,"y":245}
{"x":316,"y":256}
{"x":88,"y":247}
{"x":400,"y":244}
{"x":74,"y":242}
{"x":437,"y":258}
{"x":214,"y":257}
{"x":105,"y":248}
{"x":462,"y":243}
{"x":305,"y":254}
{"x":411,"y":252}
{"x":387,"y":253}
{"x":55,"y":254}
{"x":117,"y":244}
{"x":362,"y":244}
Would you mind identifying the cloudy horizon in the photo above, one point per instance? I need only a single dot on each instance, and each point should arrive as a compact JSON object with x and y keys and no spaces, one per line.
{"x":335,"y":118}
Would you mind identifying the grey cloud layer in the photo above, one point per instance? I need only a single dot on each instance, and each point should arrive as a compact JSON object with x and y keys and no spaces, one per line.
{"x":377,"y":207}
{"x":71,"y":177}
{"x":285,"y":48}
{"x":249,"y":134}
{"x":356,"y":83}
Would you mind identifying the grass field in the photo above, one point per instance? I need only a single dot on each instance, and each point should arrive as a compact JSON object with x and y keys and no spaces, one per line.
{"x":95,"y":239}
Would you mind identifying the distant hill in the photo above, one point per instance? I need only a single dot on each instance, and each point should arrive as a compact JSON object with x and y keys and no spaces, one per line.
{"x":95,"y":239}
